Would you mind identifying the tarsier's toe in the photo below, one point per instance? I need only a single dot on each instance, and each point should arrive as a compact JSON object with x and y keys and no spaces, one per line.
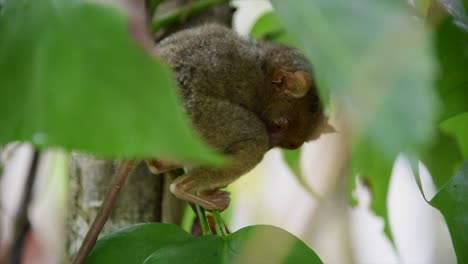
{"x":221,"y":199}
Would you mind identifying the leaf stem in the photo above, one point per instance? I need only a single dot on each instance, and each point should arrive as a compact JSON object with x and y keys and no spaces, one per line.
{"x":123,"y":171}
{"x":182,"y":13}
{"x":203,"y":222}
{"x":219,"y":223}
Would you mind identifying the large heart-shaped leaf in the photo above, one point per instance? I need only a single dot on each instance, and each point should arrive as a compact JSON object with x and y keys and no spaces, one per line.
{"x":164,"y":243}
{"x":251,"y":245}
{"x":135,"y":243}
{"x":73,"y":77}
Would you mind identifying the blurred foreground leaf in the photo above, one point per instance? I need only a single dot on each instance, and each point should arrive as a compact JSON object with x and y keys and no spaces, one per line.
{"x":268,"y":27}
{"x":164,"y":243}
{"x":375,"y":170}
{"x":73,"y":77}
{"x":376,"y":61}
{"x":452,"y":201}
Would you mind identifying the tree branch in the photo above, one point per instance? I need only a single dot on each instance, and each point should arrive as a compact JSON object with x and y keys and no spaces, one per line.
{"x":123,"y":171}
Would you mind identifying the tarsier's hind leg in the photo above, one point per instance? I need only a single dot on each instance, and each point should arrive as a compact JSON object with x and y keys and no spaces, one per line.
{"x":210,"y":200}
{"x":234,"y":131}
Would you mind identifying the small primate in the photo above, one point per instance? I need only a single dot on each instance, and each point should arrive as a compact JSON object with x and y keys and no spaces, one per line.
{"x":244,"y":97}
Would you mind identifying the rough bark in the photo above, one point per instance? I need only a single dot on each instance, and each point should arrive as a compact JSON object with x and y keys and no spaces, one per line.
{"x":145,"y":197}
{"x":139,"y":200}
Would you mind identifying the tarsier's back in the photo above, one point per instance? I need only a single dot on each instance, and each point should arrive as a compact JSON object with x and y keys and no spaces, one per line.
{"x":215,"y":61}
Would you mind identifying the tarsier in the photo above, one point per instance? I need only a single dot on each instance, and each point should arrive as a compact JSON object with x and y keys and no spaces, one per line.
{"x":243,"y":97}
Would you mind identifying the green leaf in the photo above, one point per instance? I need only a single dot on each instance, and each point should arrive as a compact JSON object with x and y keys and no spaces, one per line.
{"x":375,"y":169}
{"x":452,"y":82}
{"x":164,"y":243}
{"x":268,"y":26}
{"x":269,"y":244}
{"x":200,"y":250}
{"x":255,"y":244}
{"x":73,"y":77}
{"x":292,"y":159}
{"x":452,"y":201}
{"x":457,"y":9}
{"x":458,"y":127}
{"x":442,"y":157}
{"x":135,"y":243}
{"x":376,"y":61}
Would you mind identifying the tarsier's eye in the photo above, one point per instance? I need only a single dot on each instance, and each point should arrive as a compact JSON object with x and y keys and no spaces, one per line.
{"x":280,"y":124}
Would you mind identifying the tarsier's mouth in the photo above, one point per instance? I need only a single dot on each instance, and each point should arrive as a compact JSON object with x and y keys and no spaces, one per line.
{"x":274,"y":139}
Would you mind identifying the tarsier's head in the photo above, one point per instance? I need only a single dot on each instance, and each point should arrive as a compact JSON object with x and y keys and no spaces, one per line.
{"x":294,"y":113}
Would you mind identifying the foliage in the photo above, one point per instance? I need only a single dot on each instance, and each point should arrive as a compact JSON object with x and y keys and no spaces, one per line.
{"x":367,"y":54}
{"x":378,"y":65}
{"x":83,"y":84}
{"x":452,"y":201}
{"x":163,"y":243}
{"x":135,"y":243}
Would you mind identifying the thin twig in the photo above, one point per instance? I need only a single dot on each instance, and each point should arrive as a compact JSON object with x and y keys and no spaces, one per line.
{"x":140,"y":24}
{"x":179,"y":14}
{"x":124,"y":170}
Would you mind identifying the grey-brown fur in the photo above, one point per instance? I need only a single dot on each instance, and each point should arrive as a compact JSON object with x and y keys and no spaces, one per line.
{"x":225,"y":82}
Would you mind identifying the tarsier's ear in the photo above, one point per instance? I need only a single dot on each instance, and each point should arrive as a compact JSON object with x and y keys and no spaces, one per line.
{"x":295,"y":84}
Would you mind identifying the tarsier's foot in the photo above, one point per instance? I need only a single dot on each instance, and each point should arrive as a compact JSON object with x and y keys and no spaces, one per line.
{"x":209,"y":200}
{"x":158,"y":166}
{"x":220,"y":198}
